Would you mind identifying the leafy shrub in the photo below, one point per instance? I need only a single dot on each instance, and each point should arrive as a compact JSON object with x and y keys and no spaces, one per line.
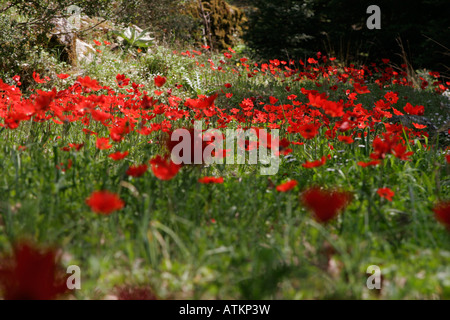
{"x":26,"y":25}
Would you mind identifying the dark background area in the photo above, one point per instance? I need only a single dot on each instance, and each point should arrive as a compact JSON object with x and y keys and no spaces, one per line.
{"x":338,"y":28}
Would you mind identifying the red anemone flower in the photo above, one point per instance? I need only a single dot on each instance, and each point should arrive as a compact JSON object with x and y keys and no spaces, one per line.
{"x":63,"y":76}
{"x":164,"y":168}
{"x":103,"y":143}
{"x":370,"y":163}
{"x":137,"y":171}
{"x":386,"y":193}
{"x":315,"y":164}
{"x":442,"y":213}
{"x":32,"y":274}
{"x":104,"y":202}
{"x":289,"y":185}
{"x":309,"y":131}
{"x":324,"y":204}
{"x":210,"y":180}
{"x":122,"y":81}
{"x":159,"y":81}
{"x":118,"y":155}
{"x":346,"y":139}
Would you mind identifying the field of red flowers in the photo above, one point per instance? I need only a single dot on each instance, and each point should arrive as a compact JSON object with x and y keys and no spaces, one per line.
{"x":88,"y":180}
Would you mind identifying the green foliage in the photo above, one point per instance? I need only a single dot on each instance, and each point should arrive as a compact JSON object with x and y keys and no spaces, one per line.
{"x":26,"y":25}
{"x":134,"y":39}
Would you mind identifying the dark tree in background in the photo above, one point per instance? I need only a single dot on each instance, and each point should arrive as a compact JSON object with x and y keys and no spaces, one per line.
{"x":282,"y":28}
{"x":300,"y":28}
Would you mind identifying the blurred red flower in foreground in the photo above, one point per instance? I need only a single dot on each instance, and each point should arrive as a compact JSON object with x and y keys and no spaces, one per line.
{"x":442,"y":213}
{"x":32,"y":274}
{"x":104,"y":202}
{"x":208,"y":180}
{"x":164,"y":168}
{"x":284,"y":187}
{"x":325,"y":204}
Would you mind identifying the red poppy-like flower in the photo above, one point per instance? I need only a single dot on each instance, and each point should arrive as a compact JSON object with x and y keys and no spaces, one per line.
{"x":89,"y":83}
{"x":370,"y":163}
{"x":209,"y":180}
{"x":137,"y":171}
{"x":118,"y":155}
{"x":104,"y":202}
{"x":309,"y":131}
{"x":447,"y":157}
{"x":37,"y":78}
{"x":324,"y":204}
{"x":346,"y":139}
{"x":419,"y":126}
{"x":103,"y":143}
{"x":442,"y":213}
{"x":63,"y":76}
{"x":202,"y":102}
{"x":32,"y":274}
{"x":384,"y":147}
{"x":315,"y":164}
{"x":417,"y":110}
{"x":16,"y":78}
{"x":76,"y":146}
{"x":122,"y":81}
{"x":148,"y":102}
{"x":227,"y":85}
{"x":386,"y":193}
{"x":399,"y":151}
{"x":289,"y":185}
{"x":159,"y":81}
{"x":163,"y":168}
{"x":44,"y":99}
{"x":360,"y":89}
{"x":392,"y":97}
